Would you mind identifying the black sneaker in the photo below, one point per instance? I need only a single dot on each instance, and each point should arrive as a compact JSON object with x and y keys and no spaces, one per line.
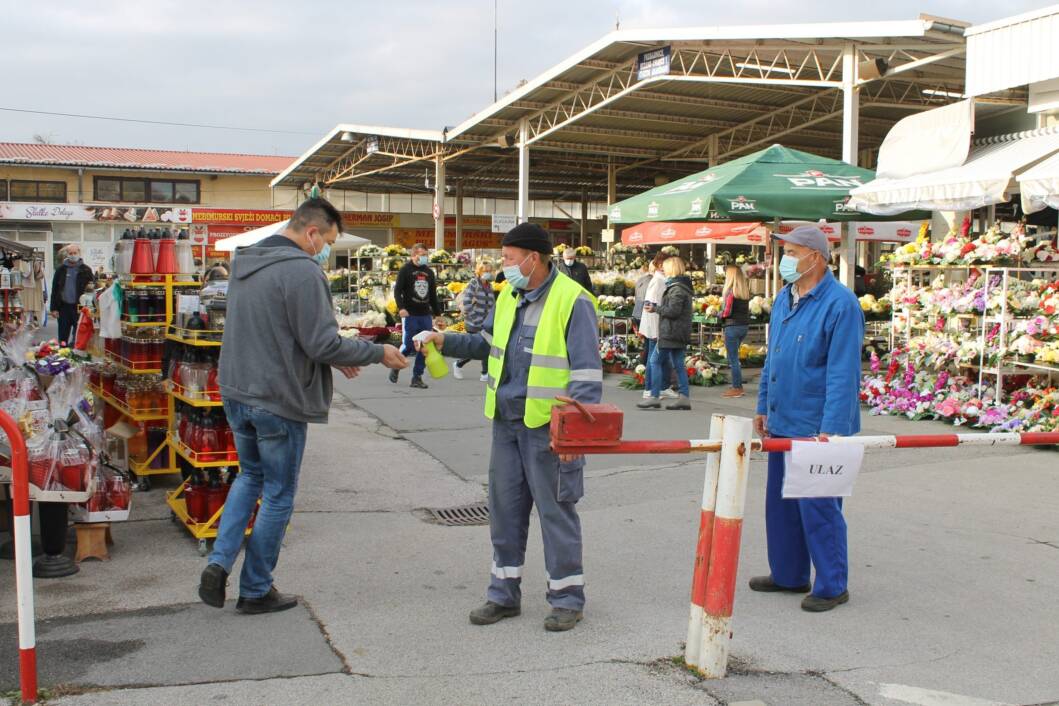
{"x":562,"y":619}
{"x":212,"y":584}
{"x":271,"y":602}
{"x":393,"y":376}
{"x":767,"y":585}
{"x":418,"y":384}
{"x":815,"y":604}
{"x":493,"y":613}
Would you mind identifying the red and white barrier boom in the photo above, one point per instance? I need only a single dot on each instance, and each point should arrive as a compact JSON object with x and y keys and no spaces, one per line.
{"x":596,"y":429}
{"x":27,"y":643}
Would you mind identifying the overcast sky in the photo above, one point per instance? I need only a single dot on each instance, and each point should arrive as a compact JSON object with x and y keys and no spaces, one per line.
{"x":305,"y":66}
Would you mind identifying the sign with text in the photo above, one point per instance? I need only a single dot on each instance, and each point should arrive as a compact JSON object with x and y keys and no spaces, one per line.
{"x":502,"y":224}
{"x":607,"y":235}
{"x":821,"y":470}
{"x":476,"y":239}
{"x":145,"y":215}
{"x":653,"y":63}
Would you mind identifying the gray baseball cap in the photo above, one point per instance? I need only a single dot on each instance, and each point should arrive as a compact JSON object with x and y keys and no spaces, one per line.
{"x":808,"y":236}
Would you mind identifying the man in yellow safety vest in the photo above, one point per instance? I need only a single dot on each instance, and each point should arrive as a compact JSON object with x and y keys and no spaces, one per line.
{"x":540,"y":341}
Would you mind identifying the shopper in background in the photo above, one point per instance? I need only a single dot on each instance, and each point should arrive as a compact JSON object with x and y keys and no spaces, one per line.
{"x":577,"y":271}
{"x":218,"y":271}
{"x":735,"y":320}
{"x":656,"y":287}
{"x":476,"y":301}
{"x":541,"y":341}
{"x":280,"y":342}
{"x":71,"y":279}
{"x":641,"y":291}
{"x":416,"y":294}
{"x":810,"y":386}
{"x":674,"y":336}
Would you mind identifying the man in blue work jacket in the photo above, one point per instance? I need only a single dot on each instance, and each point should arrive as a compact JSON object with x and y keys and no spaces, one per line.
{"x":809,"y":388}
{"x":540,"y":341}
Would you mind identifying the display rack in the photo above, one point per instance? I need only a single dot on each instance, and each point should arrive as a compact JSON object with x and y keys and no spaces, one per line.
{"x":202,"y":531}
{"x":1005,"y":362}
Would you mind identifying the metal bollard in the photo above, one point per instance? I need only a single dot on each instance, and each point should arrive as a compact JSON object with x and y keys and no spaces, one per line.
{"x":702,"y":550}
{"x":736,"y":443}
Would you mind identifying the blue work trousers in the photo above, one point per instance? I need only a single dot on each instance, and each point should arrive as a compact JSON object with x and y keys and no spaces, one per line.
{"x":523,"y":472}
{"x":803,"y":531}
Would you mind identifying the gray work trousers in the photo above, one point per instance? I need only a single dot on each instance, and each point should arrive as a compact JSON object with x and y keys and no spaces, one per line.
{"x":523,"y":471}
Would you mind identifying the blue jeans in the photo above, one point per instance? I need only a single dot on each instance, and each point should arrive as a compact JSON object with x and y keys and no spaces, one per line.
{"x":413,"y":325}
{"x":270,"y":457}
{"x":733,"y":338}
{"x":663,"y":360}
{"x":649,"y":349}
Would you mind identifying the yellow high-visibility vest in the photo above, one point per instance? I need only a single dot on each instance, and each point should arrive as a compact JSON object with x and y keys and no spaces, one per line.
{"x":549,"y":372}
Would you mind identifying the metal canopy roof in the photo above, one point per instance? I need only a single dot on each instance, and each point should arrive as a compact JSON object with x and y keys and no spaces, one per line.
{"x":729,"y":91}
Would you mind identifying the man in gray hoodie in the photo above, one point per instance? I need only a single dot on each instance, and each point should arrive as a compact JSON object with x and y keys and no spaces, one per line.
{"x":280,"y":342}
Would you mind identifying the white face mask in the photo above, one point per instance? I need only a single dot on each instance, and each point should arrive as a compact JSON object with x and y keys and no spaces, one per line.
{"x":568,"y":260}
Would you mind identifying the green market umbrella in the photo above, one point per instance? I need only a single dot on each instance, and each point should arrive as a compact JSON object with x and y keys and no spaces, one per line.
{"x":776,"y":182}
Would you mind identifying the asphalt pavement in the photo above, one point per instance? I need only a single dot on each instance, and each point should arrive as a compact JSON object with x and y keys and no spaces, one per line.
{"x":954,"y":580}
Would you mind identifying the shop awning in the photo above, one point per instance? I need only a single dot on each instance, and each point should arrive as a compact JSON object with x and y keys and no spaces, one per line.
{"x":1040,"y":186}
{"x":987,"y":177}
{"x":663,"y":233}
{"x":250,"y":237}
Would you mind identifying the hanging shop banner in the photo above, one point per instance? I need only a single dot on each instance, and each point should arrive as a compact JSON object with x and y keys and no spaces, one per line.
{"x":239,"y":216}
{"x":884,"y":231}
{"x":255,"y":218}
{"x":90,"y":212}
{"x":369,"y":219}
{"x":662,"y":233}
{"x":476,"y":239}
{"x":653,"y":63}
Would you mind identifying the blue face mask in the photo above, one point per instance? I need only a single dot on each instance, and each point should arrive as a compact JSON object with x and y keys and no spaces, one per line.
{"x":513,"y":274}
{"x":324,"y":256}
{"x":487,"y":276}
{"x":423,"y":260}
{"x":789,"y":269}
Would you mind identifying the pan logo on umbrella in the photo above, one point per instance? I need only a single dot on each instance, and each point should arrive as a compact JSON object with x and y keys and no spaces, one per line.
{"x":615,"y":213}
{"x":635,"y":236}
{"x":652,"y":209}
{"x":703,"y":231}
{"x":743,"y":204}
{"x":696,"y":207}
{"x":815,"y":179}
{"x":668,"y":233}
{"x":843,"y":206}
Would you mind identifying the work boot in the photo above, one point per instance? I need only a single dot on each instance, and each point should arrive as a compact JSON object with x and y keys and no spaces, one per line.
{"x":212,"y":584}
{"x":733,"y":392}
{"x":815,"y":604}
{"x":493,"y":613}
{"x":271,"y":602}
{"x":682,"y":403}
{"x":418,"y":383}
{"x":393,"y":376}
{"x":562,"y":619}
{"x":765,"y":584}
{"x":650,"y":403}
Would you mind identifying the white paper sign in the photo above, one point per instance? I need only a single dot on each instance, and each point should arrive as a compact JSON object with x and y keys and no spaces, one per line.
{"x":502,"y":223}
{"x":821,"y":470}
